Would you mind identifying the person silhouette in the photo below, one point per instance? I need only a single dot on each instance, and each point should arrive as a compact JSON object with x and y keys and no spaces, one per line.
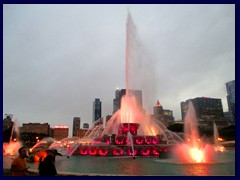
{"x":47,"y":167}
{"x":19,"y":165}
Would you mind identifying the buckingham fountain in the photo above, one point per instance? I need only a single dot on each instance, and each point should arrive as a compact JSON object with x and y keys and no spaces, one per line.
{"x":129,"y":132}
{"x":132,"y":133}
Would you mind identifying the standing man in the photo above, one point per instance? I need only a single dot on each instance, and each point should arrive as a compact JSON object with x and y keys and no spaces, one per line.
{"x":19,"y":165}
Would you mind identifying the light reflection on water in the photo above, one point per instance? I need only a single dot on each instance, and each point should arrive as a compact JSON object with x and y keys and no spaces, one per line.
{"x":139,"y":166}
{"x":196,"y":170}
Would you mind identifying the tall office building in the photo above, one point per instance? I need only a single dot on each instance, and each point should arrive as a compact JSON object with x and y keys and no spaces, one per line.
{"x":231,"y":100}
{"x":163,"y":115}
{"x":76,"y":126}
{"x":168,"y":114}
{"x":206,"y":108}
{"x":116,"y":101}
{"x":158,"y":111}
{"x":97,"y":109}
{"x":120,"y":93}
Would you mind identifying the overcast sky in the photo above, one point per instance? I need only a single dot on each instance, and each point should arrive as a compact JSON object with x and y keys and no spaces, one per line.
{"x":58,"y":58}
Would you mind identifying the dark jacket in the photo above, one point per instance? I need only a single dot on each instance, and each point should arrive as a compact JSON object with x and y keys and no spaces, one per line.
{"x":47,"y":167}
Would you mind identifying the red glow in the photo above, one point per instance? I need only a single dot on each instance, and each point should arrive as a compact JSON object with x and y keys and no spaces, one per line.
{"x":195,"y":154}
{"x":103,"y":152}
{"x":151,"y":140}
{"x":120,"y":140}
{"x":61,"y":127}
{"x":117,"y":152}
{"x":145,"y":152}
{"x":92,"y":151}
{"x":83,"y":151}
{"x":154,"y":141}
{"x":124,"y":128}
{"x":131,"y":152}
{"x":155,"y":152}
{"x":139,"y":140}
{"x":11,"y":148}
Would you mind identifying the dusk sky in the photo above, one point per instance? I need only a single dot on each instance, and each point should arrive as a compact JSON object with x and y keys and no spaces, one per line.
{"x":58,"y":58}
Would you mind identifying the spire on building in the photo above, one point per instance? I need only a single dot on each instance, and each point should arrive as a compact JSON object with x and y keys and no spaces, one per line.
{"x":158,"y":104}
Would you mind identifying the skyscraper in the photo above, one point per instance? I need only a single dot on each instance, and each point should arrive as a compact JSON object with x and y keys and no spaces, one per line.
{"x":116,"y":101}
{"x":231,"y":99}
{"x":163,"y":115}
{"x":97,"y":109}
{"x":76,"y":126}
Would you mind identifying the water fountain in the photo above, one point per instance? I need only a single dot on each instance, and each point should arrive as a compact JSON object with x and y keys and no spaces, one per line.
{"x":194,"y":149}
{"x":67,"y":146}
{"x":218,"y":147}
{"x":38,"y":151}
{"x":11,"y":147}
{"x":129,"y":132}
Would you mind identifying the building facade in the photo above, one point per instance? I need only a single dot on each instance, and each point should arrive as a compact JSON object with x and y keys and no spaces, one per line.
{"x":163,"y":115}
{"x":36,"y":128}
{"x":206,"y":108}
{"x":116,"y":101}
{"x":230,"y":86}
{"x":60,"y":132}
{"x":76,"y":125}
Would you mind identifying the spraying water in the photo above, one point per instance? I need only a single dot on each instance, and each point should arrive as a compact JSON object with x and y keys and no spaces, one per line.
{"x":193,"y":150}
{"x":11,"y":148}
{"x":130,"y":131}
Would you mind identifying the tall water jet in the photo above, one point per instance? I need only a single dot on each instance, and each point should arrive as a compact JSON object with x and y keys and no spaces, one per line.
{"x":215,"y":134}
{"x":130,"y":131}
{"x":194,"y":150}
{"x":140,"y":69}
{"x":216,"y":137}
{"x":191,"y":134}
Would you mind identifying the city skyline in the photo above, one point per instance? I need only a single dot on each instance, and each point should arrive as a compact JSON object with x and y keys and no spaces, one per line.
{"x":58,"y":58}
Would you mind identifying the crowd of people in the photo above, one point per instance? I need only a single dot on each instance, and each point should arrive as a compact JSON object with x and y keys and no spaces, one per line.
{"x":46,"y":163}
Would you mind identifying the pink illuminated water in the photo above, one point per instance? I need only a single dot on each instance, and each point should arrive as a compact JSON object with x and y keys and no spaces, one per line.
{"x":194,"y":150}
{"x":131,"y":125}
